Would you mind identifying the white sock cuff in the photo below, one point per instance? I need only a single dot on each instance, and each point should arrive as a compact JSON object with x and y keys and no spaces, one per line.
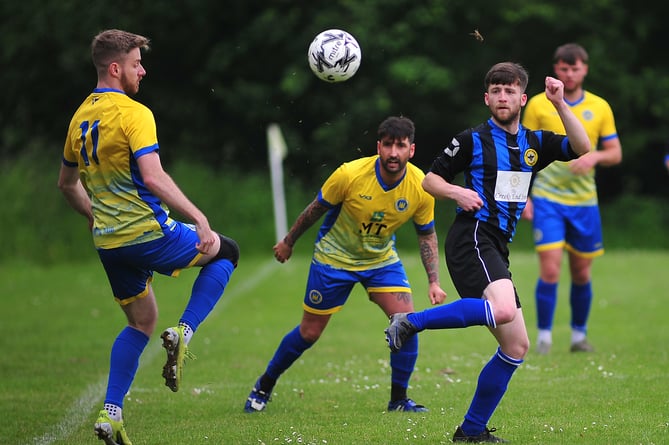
{"x":188,"y":331}
{"x":115,"y":412}
{"x":489,"y":315}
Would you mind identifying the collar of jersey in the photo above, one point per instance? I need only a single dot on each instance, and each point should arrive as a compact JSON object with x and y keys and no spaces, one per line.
{"x":577,"y":101}
{"x":384,"y":186}
{"x":107,"y":90}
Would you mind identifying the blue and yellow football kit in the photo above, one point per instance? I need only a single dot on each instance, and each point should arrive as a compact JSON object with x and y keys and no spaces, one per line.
{"x":561,"y":197}
{"x":106,"y":136}
{"x":556,"y":182}
{"x":356,"y":242}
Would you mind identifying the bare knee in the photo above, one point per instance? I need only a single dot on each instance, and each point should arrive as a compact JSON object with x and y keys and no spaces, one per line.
{"x":142,"y":314}
{"x":310,"y":334}
{"x":516,"y":346}
{"x":580,"y":276}
{"x":550,"y":264}
{"x":520,"y":347}
{"x":145,"y":326}
{"x":313,"y":325}
{"x":504,"y":314}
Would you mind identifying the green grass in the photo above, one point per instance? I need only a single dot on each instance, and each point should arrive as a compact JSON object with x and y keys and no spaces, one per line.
{"x":59,"y":323}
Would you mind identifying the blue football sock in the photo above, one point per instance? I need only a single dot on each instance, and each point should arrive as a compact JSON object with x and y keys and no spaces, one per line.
{"x":290,"y":349}
{"x":546,"y":300}
{"x":124,"y":361}
{"x":581,"y":301}
{"x":493,"y":381}
{"x":207,"y":290}
{"x":402,"y":363}
{"x":458,"y":314}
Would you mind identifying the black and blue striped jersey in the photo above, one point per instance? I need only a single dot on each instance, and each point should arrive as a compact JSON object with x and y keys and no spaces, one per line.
{"x":500,"y":167}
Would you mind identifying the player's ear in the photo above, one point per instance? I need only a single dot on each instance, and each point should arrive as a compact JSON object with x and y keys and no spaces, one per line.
{"x":114,"y":69}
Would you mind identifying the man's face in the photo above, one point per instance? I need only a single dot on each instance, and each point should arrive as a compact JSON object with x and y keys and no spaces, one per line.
{"x":505,"y":102}
{"x":572,"y":76}
{"x":131,"y":72}
{"x":394,"y":154}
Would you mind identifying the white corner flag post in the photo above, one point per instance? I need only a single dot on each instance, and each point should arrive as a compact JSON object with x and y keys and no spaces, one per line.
{"x":276,"y":148}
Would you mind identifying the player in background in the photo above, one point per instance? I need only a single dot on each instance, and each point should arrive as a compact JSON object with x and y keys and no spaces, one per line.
{"x":364,"y":202}
{"x":111,"y":173}
{"x":666,"y":160}
{"x":563,"y":206}
{"x":499,"y":159}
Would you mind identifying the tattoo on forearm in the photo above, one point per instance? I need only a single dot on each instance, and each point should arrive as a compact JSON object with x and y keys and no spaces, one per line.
{"x":307,"y":218}
{"x":429,"y":254}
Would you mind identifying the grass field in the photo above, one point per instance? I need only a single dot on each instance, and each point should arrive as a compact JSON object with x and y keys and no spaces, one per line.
{"x":59,"y":323}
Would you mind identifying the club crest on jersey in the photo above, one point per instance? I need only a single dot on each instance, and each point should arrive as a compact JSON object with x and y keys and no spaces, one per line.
{"x":531,"y":157}
{"x":401,"y":205}
{"x":315,"y":297}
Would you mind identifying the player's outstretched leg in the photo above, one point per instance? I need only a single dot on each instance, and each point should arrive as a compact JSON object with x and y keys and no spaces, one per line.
{"x":399,"y":330}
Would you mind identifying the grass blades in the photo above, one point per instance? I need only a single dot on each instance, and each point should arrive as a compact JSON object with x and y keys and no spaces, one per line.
{"x":59,"y":324}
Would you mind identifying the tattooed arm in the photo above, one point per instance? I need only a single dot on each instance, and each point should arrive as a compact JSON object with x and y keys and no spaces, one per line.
{"x":312,"y":213}
{"x":429,"y":255}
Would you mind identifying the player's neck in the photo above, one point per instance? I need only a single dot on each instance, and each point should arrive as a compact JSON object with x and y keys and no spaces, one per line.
{"x":510,"y":127}
{"x":107,"y":83}
{"x":573,"y":95}
{"x":391,"y":178}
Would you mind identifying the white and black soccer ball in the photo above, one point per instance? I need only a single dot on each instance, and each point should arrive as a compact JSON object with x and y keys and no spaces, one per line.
{"x":334,"y":55}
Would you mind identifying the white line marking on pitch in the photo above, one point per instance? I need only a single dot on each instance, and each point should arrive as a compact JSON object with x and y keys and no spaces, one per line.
{"x":93,"y":394}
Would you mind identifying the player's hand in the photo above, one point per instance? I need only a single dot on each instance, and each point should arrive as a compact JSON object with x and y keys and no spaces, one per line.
{"x":207,"y":239}
{"x":582,"y":165}
{"x":528,"y":211}
{"x":282,"y":251}
{"x":469,"y":200}
{"x":437,"y":294}
{"x":554,"y":89}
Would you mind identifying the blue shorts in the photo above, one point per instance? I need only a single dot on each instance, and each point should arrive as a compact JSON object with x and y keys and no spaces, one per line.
{"x":576,"y":228}
{"x":130,"y":268}
{"x":328,"y":288}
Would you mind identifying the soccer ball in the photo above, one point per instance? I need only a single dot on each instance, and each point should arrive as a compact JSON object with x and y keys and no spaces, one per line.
{"x":334,"y":55}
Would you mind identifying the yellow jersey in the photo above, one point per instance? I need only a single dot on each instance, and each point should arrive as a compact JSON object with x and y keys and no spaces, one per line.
{"x":358,"y":231}
{"x":107,"y":134}
{"x":556,"y":182}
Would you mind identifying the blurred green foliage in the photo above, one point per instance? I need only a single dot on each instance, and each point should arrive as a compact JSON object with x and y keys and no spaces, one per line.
{"x":220,"y":72}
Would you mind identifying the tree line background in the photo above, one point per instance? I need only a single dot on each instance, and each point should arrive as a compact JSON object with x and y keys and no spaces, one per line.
{"x":220,"y":72}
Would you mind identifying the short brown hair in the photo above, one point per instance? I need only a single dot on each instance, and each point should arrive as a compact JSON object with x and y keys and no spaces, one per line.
{"x":112,"y":44}
{"x":506,"y":73}
{"x":570,"y":53}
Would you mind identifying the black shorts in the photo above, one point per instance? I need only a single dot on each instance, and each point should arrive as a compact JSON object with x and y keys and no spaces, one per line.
{"x":477,"y":254}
